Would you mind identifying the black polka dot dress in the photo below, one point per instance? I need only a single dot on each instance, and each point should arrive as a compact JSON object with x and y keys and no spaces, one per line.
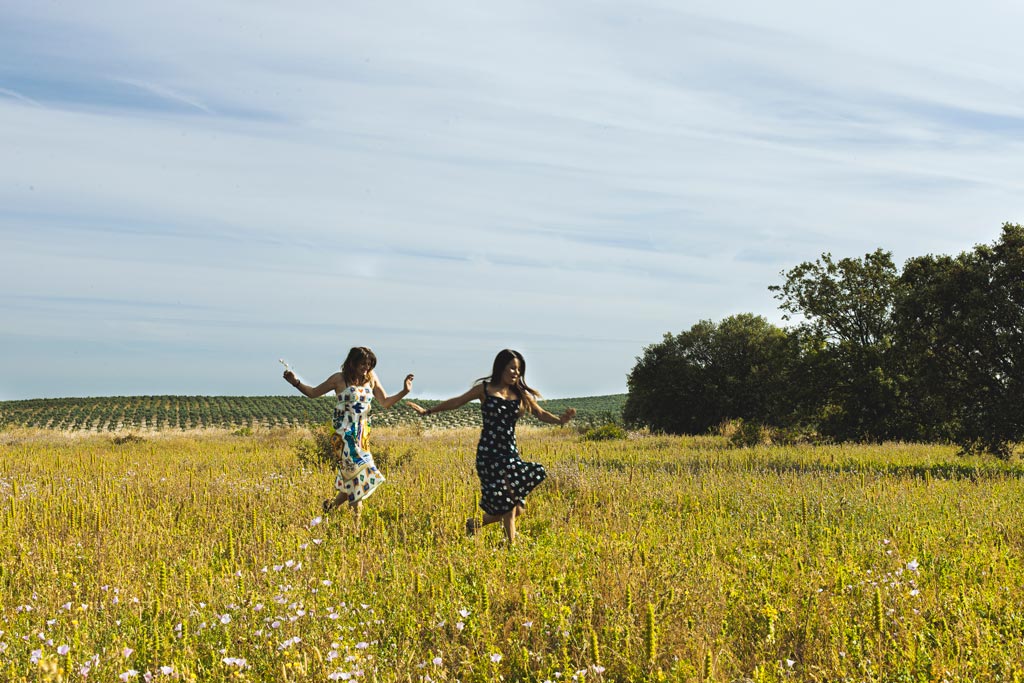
{"x":505,"y":478}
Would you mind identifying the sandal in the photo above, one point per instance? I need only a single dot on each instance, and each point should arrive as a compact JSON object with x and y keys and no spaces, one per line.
{"x":472,"y":526}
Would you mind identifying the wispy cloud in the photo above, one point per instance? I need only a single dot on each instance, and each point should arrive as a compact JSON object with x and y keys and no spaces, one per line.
{"x":218,"y":185}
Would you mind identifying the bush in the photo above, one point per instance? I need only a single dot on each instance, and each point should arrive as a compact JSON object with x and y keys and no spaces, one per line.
{"x":316,"y":450}
{"x":692,"y":381}
{"x":745,"y":433}
{"x":606,"y":432}
{"x":127,"y":438}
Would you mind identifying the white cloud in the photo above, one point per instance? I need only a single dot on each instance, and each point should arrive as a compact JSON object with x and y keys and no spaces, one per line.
{"x":439,"y":181}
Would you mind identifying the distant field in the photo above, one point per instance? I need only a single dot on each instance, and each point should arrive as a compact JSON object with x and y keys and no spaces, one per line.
{"x":117,"y":413}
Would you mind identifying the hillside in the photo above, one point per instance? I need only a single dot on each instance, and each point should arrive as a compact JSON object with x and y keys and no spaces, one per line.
{"x":115,"y":413}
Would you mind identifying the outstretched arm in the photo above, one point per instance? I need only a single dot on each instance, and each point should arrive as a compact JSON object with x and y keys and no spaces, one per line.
{"x":382,"y":396}
{"x":549,"y":418}
{"x":332,"y":383}
{"x":475,"y":392}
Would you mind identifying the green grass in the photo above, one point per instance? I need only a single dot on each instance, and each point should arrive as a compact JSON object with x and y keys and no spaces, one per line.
{"x":647,"y":558}
{"x":118,"y":413}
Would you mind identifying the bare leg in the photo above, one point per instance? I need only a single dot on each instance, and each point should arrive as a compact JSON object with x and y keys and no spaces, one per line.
{"x":332,"y":503}
{"x":508,"y":521}
{"x":491,"y":519}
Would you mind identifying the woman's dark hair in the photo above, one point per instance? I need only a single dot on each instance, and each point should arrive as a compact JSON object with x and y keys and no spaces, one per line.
{"x":501,"y":361}
{"x":355,"y":358}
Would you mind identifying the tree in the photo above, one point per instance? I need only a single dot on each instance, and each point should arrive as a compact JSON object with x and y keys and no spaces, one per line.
{"x":693,"y":381}
{"x":849,"y":374}
{"x":961,"y":320}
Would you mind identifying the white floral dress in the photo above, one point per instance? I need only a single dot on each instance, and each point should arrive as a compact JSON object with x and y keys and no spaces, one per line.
{"x":357,"y":475}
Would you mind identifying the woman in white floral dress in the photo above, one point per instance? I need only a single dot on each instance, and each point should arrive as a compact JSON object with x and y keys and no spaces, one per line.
{"x":355,"y":386}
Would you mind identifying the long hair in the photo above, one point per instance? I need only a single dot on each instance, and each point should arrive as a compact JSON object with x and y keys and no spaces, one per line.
{"x":350,"y":368}
{"x":527,"y":393}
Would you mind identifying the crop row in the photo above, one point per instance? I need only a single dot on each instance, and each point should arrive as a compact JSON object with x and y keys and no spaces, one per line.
{"x":114,"y":413}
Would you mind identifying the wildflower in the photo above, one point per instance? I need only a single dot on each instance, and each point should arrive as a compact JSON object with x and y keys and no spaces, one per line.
{"x":790,"y":663}
{"x":316,"y":520}
{"x":437,"y":661}
{"x":235,"y":661}
{"x":36,"y":656}
{"x":130,"y":673}
{"x":275,"y":624}
{"x":225,"y":618}
{"x":257,"y":607}
{"x":463,"y":612}
{"x":913,"y":565}
{"x":127,"y":652}
{"x":914,"y":592}
{"x":325,"y":582}
{"x":362,"y":645}
{"x":290,"y":563}
{"x":166,"y":670}
{"x":317,"y":541}
{"x":63,"y":650}
{"x":288,"y":643}
{"x":598,"y":669}
{"x":460,"y":626}
{"x":528,"y":624}
{"x":496,"y":658}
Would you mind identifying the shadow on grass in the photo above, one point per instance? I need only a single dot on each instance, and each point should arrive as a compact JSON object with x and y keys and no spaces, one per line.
{"x":781,"y":465}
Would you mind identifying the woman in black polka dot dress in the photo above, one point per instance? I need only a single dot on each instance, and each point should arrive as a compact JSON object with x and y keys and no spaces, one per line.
{"x":505,"y":478}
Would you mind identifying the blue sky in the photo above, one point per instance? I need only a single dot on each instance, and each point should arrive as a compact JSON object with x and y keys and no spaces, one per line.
{"x":191,"y":190}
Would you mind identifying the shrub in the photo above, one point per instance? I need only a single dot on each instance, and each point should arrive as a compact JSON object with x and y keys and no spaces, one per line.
{"x":605,"y":432}
{"x":316,"y":450}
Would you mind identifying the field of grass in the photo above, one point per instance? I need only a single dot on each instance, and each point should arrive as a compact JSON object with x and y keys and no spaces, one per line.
{"x":152,"y":413}
{"x":206,"y":558}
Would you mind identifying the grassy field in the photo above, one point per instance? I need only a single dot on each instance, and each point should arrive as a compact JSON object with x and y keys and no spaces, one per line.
{"x":154,"y":413}
{"x":205,"y":557}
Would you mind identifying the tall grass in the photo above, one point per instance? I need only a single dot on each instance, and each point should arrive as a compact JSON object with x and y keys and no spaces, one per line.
{"x":649,"y":558}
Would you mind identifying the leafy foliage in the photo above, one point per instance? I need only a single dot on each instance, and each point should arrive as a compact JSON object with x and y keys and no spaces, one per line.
{"x":692,"y":381}
{"x":961,"y":322}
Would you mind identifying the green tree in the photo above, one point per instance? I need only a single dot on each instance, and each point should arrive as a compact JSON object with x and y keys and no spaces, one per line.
{"x":849,"y":379}
{"x":961,"y":320}
{"x":694,"y":380}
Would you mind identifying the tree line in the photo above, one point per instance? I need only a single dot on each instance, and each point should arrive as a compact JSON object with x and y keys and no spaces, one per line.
{"x":933,"y":352}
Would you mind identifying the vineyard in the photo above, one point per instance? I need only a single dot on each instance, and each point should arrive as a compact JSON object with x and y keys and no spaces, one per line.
{"x":116,"y":413}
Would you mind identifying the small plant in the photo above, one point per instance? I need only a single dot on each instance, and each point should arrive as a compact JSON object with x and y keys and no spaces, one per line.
{"x":127,"y":438}
{"x":316,"y":450}
{"x":741,"y":433}
{"x":606,"y":432}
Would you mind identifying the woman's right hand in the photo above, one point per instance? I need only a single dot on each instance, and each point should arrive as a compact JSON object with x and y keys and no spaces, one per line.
{"x":289,"y":377}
